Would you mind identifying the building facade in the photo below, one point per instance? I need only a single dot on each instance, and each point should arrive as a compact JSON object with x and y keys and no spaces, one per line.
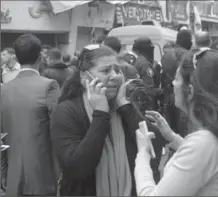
{"x":208,"y":11}
{"x":18,"y":17}
{"x":177,"y":11}
{"x":88,"y":22}
{"x":69,"y":29}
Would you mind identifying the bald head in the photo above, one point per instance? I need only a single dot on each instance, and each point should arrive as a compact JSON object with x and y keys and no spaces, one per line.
{"x":203,"y":39}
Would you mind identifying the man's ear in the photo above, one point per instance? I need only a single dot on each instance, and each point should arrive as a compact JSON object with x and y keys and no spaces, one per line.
{"x":190,"y":92}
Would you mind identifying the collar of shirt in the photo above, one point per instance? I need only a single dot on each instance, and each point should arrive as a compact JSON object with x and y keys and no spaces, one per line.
{"x":29,"y":69}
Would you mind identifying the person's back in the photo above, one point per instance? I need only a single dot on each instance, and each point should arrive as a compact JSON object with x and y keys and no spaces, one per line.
{"x":57,"y":70}
{"x":170,"y":62}
{"x":27,"y":105}
{"x":203,"y":40}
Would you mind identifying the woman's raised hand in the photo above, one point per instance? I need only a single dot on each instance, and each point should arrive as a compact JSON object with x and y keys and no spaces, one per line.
{"x":159,"y":121}
{"x":96,"y":93}
{"x":121,"y":95}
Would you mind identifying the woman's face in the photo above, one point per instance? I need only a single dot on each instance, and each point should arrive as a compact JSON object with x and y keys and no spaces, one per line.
{"x":178,"y":87}
{"x":109,"y":73}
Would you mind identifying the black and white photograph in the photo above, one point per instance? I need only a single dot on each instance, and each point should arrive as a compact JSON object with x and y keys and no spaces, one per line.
{"x":109,"y":98}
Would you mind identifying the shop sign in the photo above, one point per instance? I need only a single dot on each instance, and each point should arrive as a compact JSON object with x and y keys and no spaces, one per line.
{"x":177,"y":10}
{"x":5,"y":16}
{"x":133,"y":13}
{"x":207,"y":8}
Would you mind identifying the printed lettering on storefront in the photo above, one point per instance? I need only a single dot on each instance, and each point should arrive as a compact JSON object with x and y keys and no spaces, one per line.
{"x":132,"y":13}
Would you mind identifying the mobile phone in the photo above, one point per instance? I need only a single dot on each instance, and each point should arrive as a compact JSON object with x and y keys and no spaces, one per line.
{"x":89,"y":76}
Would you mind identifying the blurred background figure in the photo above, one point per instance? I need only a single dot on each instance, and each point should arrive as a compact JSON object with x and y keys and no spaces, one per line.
{"x":184,"y":39}
{"x":73,"y":62}
{"x":45,"y":49}
{"x":9,"y":65}
{"x":113,"y":43}
{"x":148,"y":69}
{"x":129,"y":57}
{"x":66,"y":59}
{"x":129,"y":71}
{"x":77,"y":53}
{"x":57,"y":69}
{"x":43,"y":62}
{"x":202,"y":40}
{"x":168,"y":47}
{"x":182,"y":28}
{"x":101,"y":39}
{"x":170,"y":62}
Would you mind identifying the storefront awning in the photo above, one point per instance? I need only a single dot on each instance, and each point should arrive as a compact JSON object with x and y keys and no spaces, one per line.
{"x":62,"y":6}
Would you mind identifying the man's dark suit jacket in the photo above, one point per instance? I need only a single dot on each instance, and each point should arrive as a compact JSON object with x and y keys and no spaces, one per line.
{"x":27,"y":105}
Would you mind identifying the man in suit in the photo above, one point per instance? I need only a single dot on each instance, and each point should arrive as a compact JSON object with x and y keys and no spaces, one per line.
{"x":27,"y":105}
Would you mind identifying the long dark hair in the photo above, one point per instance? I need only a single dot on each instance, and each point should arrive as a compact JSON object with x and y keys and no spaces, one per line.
{"x":72,"y":87}
{"x":203,"y":76}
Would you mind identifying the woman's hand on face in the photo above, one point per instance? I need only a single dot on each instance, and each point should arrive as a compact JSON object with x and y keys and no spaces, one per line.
{"x":121,"y":95}
{"x":159,"y":121}
{"x":96,"y":92}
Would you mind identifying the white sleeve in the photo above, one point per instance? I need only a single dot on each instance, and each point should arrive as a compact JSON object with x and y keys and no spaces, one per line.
{"x":176,"y":143}
{"x":189,"y":172}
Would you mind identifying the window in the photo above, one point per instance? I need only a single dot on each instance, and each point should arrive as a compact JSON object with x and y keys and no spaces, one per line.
{"x":157,"y":51}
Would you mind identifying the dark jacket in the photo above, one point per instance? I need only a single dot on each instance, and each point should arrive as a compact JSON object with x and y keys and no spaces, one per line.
{"x":170,"y":63}
{"x":175,"y":117}
{"x":27,"y":103}
{"x":79,"y":145}
{"x":42,"y":65}
{"x":150,"y":74}
{"x":59,"y":72}
{"x":145,"y":70}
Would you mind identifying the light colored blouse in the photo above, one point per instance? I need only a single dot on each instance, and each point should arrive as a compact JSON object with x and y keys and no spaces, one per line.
{"x":192,"y":171}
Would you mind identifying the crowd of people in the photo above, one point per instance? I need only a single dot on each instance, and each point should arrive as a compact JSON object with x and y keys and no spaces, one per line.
{"x":73,"y":121}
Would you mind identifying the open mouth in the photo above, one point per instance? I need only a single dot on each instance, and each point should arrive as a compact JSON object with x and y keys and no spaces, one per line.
{"x":112,"y":87}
